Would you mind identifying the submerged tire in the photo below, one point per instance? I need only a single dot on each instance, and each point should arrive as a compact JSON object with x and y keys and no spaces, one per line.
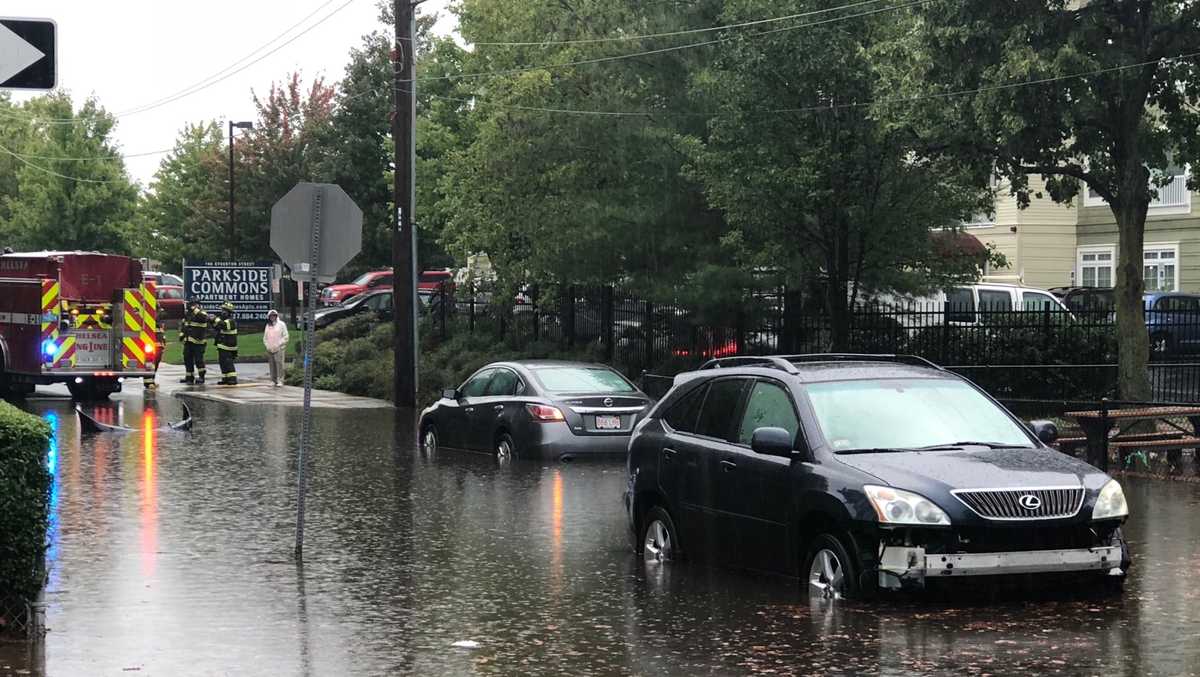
{"x":659,"y":538}
{"x":829,"y":572}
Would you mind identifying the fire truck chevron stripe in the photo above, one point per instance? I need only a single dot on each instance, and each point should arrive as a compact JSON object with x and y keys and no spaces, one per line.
{"x":132,"y":351}
{"x":131,"y":320}
{"x":150,"y":309}
{"x":50,"y":293}
{"x":65,"y":354}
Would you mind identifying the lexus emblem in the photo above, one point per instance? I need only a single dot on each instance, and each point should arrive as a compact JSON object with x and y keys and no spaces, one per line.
{"x":608,"y":402}
{"x":1030,"y":502}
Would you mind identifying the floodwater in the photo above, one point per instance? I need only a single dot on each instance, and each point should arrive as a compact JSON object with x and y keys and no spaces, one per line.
{"x":171,"y":554}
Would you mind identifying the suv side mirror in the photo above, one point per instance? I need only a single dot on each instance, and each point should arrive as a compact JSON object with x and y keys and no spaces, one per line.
{"x":1045,"y":431}
{"x":450,"y":394}
{"x":772,"y":442}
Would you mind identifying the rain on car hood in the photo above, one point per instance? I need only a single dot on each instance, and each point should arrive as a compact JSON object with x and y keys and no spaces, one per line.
{"x":973,"y":467}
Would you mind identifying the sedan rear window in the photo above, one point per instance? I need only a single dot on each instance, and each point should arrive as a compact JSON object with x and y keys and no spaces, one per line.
{"x":581,"y":380}
{"x":909,"y":413}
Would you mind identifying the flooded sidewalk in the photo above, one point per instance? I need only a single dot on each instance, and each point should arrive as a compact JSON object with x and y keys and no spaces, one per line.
{"x":171,"y":554}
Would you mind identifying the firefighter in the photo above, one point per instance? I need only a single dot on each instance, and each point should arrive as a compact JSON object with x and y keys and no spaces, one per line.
{"x":227,"y":344}
{"x":193,"y":334}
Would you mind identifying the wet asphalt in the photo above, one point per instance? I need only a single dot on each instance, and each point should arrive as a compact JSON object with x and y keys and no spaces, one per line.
{"x":171,"y":554}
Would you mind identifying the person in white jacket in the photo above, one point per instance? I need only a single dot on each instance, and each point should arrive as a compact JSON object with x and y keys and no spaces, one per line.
{"x":275,"y":338}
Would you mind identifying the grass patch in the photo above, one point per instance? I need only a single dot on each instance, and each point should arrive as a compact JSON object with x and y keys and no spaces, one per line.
{"x":249,"y":345}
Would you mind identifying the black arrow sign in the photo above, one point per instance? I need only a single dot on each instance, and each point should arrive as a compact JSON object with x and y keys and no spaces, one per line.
{"x":27,"y":54}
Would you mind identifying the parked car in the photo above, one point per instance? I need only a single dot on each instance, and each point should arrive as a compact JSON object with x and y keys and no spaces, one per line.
{"x":162,"y":279}
{"x":965,"y":305}
{"x":1173,"y":320}
{"x":336,"y":293}
{"x":1095,"y":301}
{"x":377,"y":302}
{"x":860,"y":473}
{"x":170,"y":303}
{"x":432,"y":280}
{"x":536,"y":409}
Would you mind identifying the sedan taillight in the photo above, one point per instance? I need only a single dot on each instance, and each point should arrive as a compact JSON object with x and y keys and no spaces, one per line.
{"x":541,"y":412}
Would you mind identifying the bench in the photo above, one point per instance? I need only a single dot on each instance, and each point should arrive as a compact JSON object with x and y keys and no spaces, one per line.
{"x":1097,"y":427}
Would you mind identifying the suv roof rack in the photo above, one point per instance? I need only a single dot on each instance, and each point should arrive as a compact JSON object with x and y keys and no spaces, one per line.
{"x":860,"y":357}
{"x":770,"y":362}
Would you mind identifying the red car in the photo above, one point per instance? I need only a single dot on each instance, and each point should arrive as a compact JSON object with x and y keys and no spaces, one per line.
{"x":336,"y":293}
{"x":429,"y":280}
{"x":170,"y":302}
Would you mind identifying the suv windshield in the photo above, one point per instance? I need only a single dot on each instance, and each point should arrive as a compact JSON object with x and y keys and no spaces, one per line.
{"x":363,"y":279}
{"x":581,"y":380}
{"x":909,"y":414}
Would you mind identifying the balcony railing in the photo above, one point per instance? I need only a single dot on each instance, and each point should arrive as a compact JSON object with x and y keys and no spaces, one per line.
{"x":1173,"y":195}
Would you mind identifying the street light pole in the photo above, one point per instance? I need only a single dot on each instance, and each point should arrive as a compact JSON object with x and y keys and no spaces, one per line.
{"x":232,"y":228}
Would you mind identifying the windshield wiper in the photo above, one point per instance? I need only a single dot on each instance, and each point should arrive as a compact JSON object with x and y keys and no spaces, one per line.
{"x":881,"y":450}
{"x":972,"y":443}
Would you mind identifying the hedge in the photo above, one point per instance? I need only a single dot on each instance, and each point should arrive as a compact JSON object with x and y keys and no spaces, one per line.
{"x":24,"y":504}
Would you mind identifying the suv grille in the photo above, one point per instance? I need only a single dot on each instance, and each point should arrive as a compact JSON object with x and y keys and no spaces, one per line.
{"x":1022,"y":504}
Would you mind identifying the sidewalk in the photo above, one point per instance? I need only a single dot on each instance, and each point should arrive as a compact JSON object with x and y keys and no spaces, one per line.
{"x":254,"y":387}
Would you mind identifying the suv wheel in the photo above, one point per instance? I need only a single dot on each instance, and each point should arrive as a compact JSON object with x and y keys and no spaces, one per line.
{"x":506,"y":448}
{"x":659,"y":540}
{"x":429,"y":440}
{"x":829,"y":572}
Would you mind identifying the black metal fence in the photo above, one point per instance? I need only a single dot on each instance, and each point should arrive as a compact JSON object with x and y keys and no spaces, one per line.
{"x":1037,"y":353}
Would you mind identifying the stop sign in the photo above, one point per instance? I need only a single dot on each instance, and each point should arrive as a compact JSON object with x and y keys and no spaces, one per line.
{"x":312,"y":208}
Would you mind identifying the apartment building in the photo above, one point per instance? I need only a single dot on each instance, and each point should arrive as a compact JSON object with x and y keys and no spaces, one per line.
{"x":1054,"y":245}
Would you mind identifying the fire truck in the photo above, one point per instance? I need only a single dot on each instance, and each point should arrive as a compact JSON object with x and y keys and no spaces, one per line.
{"x":81,"y":318}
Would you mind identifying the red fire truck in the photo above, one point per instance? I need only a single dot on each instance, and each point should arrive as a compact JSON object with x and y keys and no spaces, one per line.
{"x":80,"y":318}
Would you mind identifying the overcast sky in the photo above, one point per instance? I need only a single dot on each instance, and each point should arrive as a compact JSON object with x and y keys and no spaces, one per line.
{"x":129,"y":53}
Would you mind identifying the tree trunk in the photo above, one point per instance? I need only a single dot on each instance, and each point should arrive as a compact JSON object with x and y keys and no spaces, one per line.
{"x":1133,"y":344}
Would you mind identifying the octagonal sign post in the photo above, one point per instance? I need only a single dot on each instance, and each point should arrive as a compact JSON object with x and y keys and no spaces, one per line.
{"x":316,"y":229}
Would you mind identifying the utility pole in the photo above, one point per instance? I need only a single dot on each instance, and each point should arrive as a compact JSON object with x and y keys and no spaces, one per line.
{"x":404,"y":237}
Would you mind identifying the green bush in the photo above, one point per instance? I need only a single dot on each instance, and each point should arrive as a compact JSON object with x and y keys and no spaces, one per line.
{"x":24,"y":504}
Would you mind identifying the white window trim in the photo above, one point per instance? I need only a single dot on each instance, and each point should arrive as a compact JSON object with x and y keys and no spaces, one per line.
{"x":1184,"y":207}
{"x":1095,"y":249}
{"x":1163,"y":246}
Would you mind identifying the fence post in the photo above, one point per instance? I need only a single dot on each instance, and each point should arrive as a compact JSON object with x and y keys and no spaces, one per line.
{"x":471,"y":322}
{"x":945,"y":347}
{"x":443,"y":299}
{"x":569,"y":323}
{"x":740,"y":338}
{"x":1104,"y":428}
{"x":606,"y":321}
{"x":537,"y":324}
{"x":648,"y":331}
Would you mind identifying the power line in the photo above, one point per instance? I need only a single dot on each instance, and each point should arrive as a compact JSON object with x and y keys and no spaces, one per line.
{"x":689,"y":31}
{"x":186,"y":90}
{"x":51,"y":172}
{"x":663,"y":50}
{"x":118,"y":156}
{"x":223,"y":74}
{"x":822,"y":108}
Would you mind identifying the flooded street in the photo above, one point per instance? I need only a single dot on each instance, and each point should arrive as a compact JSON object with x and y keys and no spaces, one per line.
{"x":171,"y":555}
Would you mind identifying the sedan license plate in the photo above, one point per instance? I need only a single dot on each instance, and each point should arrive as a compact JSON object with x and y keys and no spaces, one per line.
{"x":608,"y":422}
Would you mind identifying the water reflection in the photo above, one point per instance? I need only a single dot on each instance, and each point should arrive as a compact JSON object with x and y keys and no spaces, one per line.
{"x":170,"y":554}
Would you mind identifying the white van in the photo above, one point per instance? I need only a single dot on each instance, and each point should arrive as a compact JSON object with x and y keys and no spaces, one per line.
{"x":964,"y":305}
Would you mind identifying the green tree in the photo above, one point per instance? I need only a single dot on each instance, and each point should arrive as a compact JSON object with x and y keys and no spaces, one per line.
{"x":63,"y":183}
{"x":184,"y":213}
{"x":1110,"y":107}
{"x":815,"y":182}
{"x":284,"y":148}
{"x":584,"y":196}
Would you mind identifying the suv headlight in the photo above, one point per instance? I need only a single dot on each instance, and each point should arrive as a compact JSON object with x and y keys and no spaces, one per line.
{"x":896,"y":506}
{"x":1111,"y":502}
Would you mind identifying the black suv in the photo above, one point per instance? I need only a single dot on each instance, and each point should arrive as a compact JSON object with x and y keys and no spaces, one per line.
{"x":862,"y":472}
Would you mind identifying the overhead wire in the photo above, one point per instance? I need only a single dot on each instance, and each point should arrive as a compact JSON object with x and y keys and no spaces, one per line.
{"x":669,"y":34}
{"x":216,"y":78}
{"x":51,"y":172}
{"x":661,"y":50}
{"x":477,"y":98}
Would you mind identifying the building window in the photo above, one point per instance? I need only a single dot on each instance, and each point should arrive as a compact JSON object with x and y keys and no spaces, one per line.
{"x":1160,"y":267}
{"x":1173,"y":198}
{"x":1095,"y":266}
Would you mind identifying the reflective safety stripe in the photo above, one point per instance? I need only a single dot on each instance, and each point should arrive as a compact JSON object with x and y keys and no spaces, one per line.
{"x":228,"y":373}
{"x":222,"y":346}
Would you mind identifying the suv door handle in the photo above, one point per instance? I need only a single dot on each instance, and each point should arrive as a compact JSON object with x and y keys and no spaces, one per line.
{"x":728,"y":466}
{"x":499,"y":407}
{"x":668,"y":455}
{"x":469,"y":409}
